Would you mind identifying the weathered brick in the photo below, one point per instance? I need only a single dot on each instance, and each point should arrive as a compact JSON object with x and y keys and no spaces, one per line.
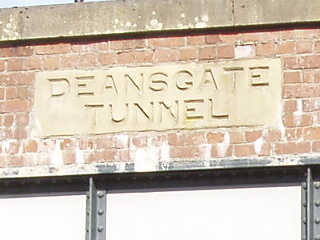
{"x":220,"y":151}
{"x":304,"y":46}
{"x":51,"y":63}
{"x":297,"y":120}
{"x":176,"y":139}
{"x":144,"y":57}
{"x":292,"y":77}
{"x":140,"y":141}
{"x":311,"y":104}
{"x":126,"y":57}
{"x":207,"y":53}
{"x":311,"y":133}
{"x":19,"y":51}
{"x":285,"y":47}
{"x":8,"y":120}
{"x":242,"y":150}
{"x":292,"y":148}
{"x":166,"y":42}
{"x":34,"y":63}
{"x":184,"y":152}
{"x":127,"y":44}
{"x":195,"y":40}
{"x":107,"y":58}
{"x":70,"y":61}
{"x":265,"y":49}
{"x":166,"y":55}
{"x":212,"y":39}
{"x":17,"y":105}
{"x":215,"y":137}
{"x":15,"y":64}
{"x":22,"y":119}
{"x":188,"y":53}
{"x":88,"y":60}
{"x":104,"y":142}
{"x":302,"y":62}
{"x":11,"y":93}
{"x":196,"y":138}
{"x":108,"y":155}
{"x":31,"y":146}
{"x":226,"y":52}
{"x":61,"y":48}
{"x":253,"y":135}
{"x":290,"y":106}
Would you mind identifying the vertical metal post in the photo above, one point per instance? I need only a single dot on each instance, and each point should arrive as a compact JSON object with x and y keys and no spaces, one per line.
{"x":96,"y":210}
{"x":309,"y":206}
{"x":316,"y":208}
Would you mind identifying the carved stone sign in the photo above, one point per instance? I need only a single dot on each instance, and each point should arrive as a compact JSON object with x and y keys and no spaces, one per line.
{"x":186,"y":96}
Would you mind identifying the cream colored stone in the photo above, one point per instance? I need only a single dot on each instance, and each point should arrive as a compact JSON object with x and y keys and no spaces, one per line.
{"x":235,"y":93}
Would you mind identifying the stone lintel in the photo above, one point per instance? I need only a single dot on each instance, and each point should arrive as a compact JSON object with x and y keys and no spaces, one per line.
{"x":139,"y":16}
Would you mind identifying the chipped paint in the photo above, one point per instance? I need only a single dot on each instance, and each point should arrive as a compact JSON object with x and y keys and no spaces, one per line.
{"x":222,"y":147}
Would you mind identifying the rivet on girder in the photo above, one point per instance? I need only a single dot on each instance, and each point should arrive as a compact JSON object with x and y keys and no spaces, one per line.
{"x":88,"y":195}
{"x":304,"y":221}
{"x":317,"y":203}
{"x":100,"y":194}
{"x":304,"y":185}
{"x":317,"y":237}
{"x":304,"y":204}
{"x":100,"y":211}
{"x":317,"y":185}
{"x":317,"y":221}
{"x":100,"y":228}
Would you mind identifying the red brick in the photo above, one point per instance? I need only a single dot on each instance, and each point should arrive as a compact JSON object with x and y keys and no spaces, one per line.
{"x":31,"y":146}
{"x":207,"y":53}
{"x":302,"y":62}
{"x":212,"y":39}
{"x":184,"y":152}
{"x":105,"y":142}
{"x":69,"y":61}
{"x":2,"y":93}
{"x":236,"y":137}
{"x":215,"y":137}
{"x":308,"y":76}
{"x":22,"y":119}
{"x":103,"y":46}
{"x":195,"y":40}
{"x":242,"y":150}
{"x":20,"y":133}
{"x":51,"y":63}
{"x":166,"y":55}
{"x":286,"y":47}
{"x":317,"y":76}
{"x":15,"y":64}
{"x":61,"y":48}
{"x":144,"y":57}
{"x":17,"y":105}
{"x":2,"y":65}
{"x":124,"y":155}
{"x":86,"y":143}
{"x":230,"y":38}
{"x":196,"y":138}
{"x":301,"y":91}
{"x":290,"y":106}
{"x":188,"y":53}
{"x":166,"y":42}
{"x":317,"y":47}
{"x":126,"y":58}
{"x":67,"y":144}
{"x":11,"y":93}
{"x":252,"y":136}
{"x":292,"y":148}
{"x":316,"y":146}
{"x":311,"y":133}
{"x":88,"y":60}
{"x":15,"y":161}
{"x":25,"y":92}
{"x":89,"y":47}
{"x":107,"y":58}
{"x":304,"y":47}
{"x":17,"y":51}
{"x":274,"y":135}
{"x":297,"y":120}
{"x":140,"y":141}
{"x":311,"y":104}
{"x":69,"y":157}
{"x":8,"y":120}
{"x":294,"y":134}
{"x":226,"y":52}
{"x":32,"y":63}
{"x":265,"y":49}
{"x":292,"y":77}
{"x":127,"y":44}
{"x":175,"y":139}
{"x":109,"y":155}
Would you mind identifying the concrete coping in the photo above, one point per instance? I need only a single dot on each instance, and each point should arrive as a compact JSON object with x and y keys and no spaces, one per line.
{"x":142,"y":16}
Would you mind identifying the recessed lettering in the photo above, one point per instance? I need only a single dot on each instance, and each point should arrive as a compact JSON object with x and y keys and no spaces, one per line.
{"x":159,"y":98}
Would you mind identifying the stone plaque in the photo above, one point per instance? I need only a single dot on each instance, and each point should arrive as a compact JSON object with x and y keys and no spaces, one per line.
{"x":186,"y":96}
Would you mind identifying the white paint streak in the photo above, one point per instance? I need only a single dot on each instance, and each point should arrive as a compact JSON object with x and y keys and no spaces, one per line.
{"x":56,"y":155}
{"x":244,"y":51}
{"x":222,"y":147}
{"x":79,"y":156}
{"x":146,"y":159}
{"x":258,"y":145}
{"x":165,"y":152}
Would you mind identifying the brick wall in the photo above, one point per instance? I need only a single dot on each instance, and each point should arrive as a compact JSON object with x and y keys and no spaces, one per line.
{"x":299,"y":50}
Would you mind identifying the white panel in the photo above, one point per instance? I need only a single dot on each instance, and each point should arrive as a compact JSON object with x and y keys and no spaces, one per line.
{"x":43,"y":218}
{"x":271,"y":213}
